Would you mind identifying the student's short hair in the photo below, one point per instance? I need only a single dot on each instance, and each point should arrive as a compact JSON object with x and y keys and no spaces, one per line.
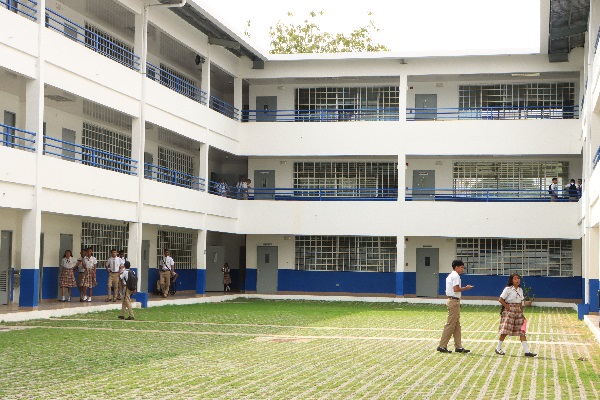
{"x":554,"y":178}
{"x":127,"y":264}
{"x":111,"y":250}
{"x":121,"y":251}
{"x":457,"y":263}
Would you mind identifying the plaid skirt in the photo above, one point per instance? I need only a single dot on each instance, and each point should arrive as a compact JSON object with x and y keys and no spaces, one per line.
{"x":512,"y":321}
{"x":226,"y":278}
{"x":88,"y":279}
{"x":67,"y":279}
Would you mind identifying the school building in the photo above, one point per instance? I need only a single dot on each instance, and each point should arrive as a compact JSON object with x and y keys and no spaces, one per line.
{"x":128,"y":124}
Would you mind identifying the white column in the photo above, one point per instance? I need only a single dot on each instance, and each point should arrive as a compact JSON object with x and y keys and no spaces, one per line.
{"x":203,"y":167}
{"x":401,"y":176}
{"x":31,"y":223}
{"x":205,"y":84}
{"x":400,"y":263}
{"x":402,"y":92}
{"x":237,"y":95}
{"x":201,"y":263}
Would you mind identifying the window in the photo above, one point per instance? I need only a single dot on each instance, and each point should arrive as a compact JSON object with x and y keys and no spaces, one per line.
{"x":181,"y":246}
{"x":348,"y":104}
{"x":516,"y":100}
{"x":346,"y":179}
{"x":346,"y":253}
{"x":102,"y":238}
{"x":114,"y":146}
{"x":109,"y":46}
{"x":509,"y":177}
{"x":527,"y":257}
{"x":176,"y":161}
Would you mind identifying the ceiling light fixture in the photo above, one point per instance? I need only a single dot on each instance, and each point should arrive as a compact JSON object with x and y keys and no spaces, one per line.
{"x":526,"y":74}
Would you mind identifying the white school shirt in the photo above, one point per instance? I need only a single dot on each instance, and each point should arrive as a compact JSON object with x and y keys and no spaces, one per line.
{"x":452,"y":280}
{"x":166,"y":263}
{"x":69,"y":263}
{"x":114,"y":264}
{"x":90,"y":262}
{"x":124,"y":275}
{"x":512,"y":295}
{"x":81,"y":267}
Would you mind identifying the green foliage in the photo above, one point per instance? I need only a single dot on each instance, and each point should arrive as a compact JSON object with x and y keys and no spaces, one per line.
{"x":528,"y":294}
{"x":307,"y":37}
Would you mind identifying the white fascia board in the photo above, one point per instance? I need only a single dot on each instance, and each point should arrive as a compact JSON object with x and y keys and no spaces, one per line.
{"x":203,"y":7}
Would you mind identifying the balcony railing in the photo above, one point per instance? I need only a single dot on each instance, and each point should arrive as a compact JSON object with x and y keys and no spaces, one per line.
{"x":487,"y":195}
{"x":493,"y":113}
{"x":324,"y":115}
{"x":89,"y":156}
{"x":91,"y":40}
{"x":596,"y":158}
{"x":175,"y":83}
{"x":18,"y":138}
{"x":303,"y":194}
{"x":27,"y":8}
{"x":224,"y":108}
{"x":172,"y":177}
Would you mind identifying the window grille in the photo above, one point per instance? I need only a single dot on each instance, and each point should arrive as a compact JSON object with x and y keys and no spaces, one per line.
{"x":176,"y":161}
{"x":175,"y":80}
{"x":107,"y":115}
{"x":116,"y":144}
{"x":102,"y":238}
{"x":508,"y":176}
{"x":368,"y":179}
{"x":346,"y":253}
{"x":181,"y":246}
{"x":550,"y":99}
{"x":109,"y":46}
{"x":345,"y":104}
{"x":527,"y":257}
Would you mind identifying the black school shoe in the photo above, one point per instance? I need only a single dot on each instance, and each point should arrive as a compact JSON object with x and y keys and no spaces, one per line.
{"x":121,"y":317}
{"x":443,"y":350}
{"x":530,"y":354}
{"x":462,"y":350}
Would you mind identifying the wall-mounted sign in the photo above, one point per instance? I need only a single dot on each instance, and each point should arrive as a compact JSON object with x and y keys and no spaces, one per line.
{"x":267,"y":244}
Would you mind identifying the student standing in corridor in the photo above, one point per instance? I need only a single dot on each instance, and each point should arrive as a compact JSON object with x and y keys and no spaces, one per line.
{"x":453,"y":292}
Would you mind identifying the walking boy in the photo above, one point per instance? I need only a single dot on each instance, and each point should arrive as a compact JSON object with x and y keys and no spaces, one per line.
{"x":126,"y":305}
{"x":452,"y":327}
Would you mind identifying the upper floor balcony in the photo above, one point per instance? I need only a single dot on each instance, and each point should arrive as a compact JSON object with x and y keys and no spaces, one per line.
{"x":25,"y":8}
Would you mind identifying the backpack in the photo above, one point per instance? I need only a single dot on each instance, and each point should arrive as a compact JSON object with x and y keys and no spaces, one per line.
{"x":550,"y":189}
{"x":131,"y":282}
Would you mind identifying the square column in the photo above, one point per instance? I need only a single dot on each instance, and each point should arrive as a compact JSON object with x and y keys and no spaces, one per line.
{"x":401,"y":177}
{"x":400,"y":245}
{"x":203,"y":164}
{"x":237,"y":94}
{"x":201,"y":263}
{"x":205,"y":83}
{"x":402,"y":93}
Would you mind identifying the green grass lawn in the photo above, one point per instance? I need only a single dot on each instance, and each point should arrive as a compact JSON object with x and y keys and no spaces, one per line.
{"x":254,"y":349}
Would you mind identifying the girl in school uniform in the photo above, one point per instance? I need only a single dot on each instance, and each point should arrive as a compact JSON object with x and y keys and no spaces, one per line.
{"x":67,"y":278}
{"x":89,"y":278}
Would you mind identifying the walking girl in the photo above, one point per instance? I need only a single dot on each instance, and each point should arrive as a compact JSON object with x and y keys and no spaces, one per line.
{"x":226,"y":277}
{"x":513,"y":321}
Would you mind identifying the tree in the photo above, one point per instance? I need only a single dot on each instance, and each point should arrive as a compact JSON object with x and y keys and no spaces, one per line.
{"x":307,"y":37}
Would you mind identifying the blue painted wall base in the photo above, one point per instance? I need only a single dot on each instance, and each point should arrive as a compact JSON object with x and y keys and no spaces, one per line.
{"x":141,"y":297}
{"x":251,"y":277}
{"x":200,"y":281}
{"x":582,"y":309}
{"x":594,"y":286}
{"x":29,"y":293}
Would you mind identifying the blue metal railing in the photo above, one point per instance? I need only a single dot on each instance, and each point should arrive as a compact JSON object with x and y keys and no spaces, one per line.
{"x":323,"y":115}
{"x":596,"y":158}
{"x":224,"y":108}
{"x":27,"y":8}
{"x":173,"y":177}
{"x":302,"y":194}
{"x":175,"y":83}
{"x":89,"y":156}
{"x":597,"y":40}
{"x":15,"y":137}
{"x":91,"y":40}
{"x":487,"y":195}
{"x":494,"y":113}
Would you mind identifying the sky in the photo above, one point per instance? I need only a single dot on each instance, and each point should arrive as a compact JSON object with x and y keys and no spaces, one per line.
{"x":406,"y":26}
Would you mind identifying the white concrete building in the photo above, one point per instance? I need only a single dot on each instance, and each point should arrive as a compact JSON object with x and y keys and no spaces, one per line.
{"x":129,"y":126}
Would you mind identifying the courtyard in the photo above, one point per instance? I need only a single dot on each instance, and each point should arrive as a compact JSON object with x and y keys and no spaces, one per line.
{"x":277,"y":349}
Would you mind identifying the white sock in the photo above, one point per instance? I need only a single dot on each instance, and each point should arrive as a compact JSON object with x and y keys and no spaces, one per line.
{"x":499,"y":347}
{"x":63,"y":298}
{"x":525,"y":347}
